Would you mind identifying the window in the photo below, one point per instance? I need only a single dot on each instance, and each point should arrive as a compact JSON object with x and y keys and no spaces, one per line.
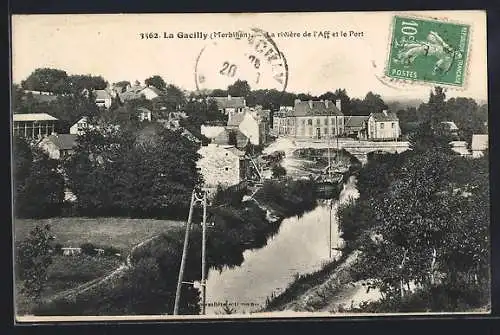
{"x":326,"y":121}
{"x":310,"y":131}
{"x":381,"y":125}
{"x":333,"y":131}
{"x":227,"y":169}
{"x":309,"y":122}
{"x":303,"y":122}
{"x":392,"y":125}
{"x":318,"y":122}
{"x":326,"y":131}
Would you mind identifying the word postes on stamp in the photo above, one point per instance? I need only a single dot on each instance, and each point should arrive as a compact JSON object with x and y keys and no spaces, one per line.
{"x":253,"y":57}
{"x":428,"y":51}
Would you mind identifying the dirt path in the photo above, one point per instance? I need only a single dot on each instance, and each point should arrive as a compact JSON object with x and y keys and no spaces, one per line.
{"x":99,"y":281}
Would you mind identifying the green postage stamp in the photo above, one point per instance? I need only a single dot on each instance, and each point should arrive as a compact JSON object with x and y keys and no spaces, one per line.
{"x":428,"y":51}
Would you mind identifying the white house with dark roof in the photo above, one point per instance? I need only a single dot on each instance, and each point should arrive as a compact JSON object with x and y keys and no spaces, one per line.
{"x":102,"y":98}
{"x":383,"y":126}
{"x":59,"y":146}
{"x":479,"y":144}
{"x":315,"y":119}
{"x":230,"y":105}
{"x":33,"y":125}
{"x":80,"y":126}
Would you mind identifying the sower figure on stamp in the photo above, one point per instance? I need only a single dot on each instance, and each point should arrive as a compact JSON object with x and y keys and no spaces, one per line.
{"x":433,"y":46}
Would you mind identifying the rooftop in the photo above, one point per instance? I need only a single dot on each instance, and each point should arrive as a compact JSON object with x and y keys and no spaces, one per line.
{"x":355,"y":120}
{"x":385,"y":116}
{"x":229,"y":102}
{"x":64,"y":141}
{"x":34,"y":117}
{"x":102,"y":94}
{"x":316,"y":108}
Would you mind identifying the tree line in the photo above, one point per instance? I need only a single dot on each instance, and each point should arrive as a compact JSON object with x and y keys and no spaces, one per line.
{"x":421,"y":223}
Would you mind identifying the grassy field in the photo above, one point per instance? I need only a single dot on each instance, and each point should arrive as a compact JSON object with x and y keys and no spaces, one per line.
{"x":69,"y":272}
{"x":121,"y":233}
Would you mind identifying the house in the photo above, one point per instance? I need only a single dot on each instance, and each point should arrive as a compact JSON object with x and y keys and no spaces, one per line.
{"x":34,"y":125}
{"x":230,"y":105}
{"x":254,"y":127}
{"x":80,"y":126}
{"x":144,"y":114}
{"x":222,"y":165}
{"x":150,"y":92}
{"x":232,"y":136}
{"x":279,"y":120}
{"x":102,"y":98}
{"x":449,"y":128}
{"x":355,"y":124}
{"x":383,"y":126}
{"x":315,"y":119}
{"x":59,"y":146}
{"x":479,"y":144}
{"x":40,"y":96}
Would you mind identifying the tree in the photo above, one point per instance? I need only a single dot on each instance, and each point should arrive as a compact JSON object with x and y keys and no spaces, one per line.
{"x":278,"y":171}
{"x":434,"y":111}
{"x":39,"y":190}
{"x":218,"y":93}
{"x":47,"y":80}
{"x":240,"y":88}
{"x":426,"y":138}
{"x":139,"y":170}
{"x":33,"y":259}
{"x":77,"y":83}
{"x":156,"y":81}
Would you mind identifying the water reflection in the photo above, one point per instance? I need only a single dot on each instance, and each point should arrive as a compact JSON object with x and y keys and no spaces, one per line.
{"x":301,"y":246}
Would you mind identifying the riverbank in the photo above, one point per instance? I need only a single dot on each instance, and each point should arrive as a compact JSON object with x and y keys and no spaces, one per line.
{"x":147,"y":286}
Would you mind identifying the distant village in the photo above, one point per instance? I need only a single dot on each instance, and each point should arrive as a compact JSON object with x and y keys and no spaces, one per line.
{"x":224,"y":161}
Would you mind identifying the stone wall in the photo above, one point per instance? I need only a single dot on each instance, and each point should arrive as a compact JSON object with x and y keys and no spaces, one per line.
{"x":219,"y":166}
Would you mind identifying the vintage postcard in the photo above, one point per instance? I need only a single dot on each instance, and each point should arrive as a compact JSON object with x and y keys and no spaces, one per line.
{"x":250,"y":165}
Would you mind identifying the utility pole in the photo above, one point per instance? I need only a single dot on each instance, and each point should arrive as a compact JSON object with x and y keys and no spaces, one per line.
{"x":184,"y":255}
{"x":194,"y":200}
{"x":330,"y":232}
{"x":204,"y":254}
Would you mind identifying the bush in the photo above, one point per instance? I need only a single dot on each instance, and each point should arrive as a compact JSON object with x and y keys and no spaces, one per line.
{"x":88,"y":249}
{"x":58,"y":249}
{"x":111,"y":251}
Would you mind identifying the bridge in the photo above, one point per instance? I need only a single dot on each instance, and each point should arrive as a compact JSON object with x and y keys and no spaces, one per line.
{"x":359,"y":149}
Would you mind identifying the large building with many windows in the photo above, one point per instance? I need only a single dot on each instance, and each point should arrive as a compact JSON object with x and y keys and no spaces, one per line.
{"x":313,"y":119}
{"x":34,"y":125}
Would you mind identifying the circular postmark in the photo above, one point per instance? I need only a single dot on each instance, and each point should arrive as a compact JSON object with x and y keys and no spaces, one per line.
{"x":253,"y":57}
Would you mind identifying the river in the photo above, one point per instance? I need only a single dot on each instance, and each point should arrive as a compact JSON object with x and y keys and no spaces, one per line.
{"x":301,"y":246}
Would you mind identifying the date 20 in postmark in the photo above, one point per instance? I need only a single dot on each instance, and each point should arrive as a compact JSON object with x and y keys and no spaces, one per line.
{"x":428,"y":51}
{"x":253,"y":57}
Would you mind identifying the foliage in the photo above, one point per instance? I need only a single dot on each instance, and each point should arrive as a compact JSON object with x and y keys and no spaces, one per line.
{"x":58,"y":82}
{"x":139,"y":171}
{"x":239,"y":88}
{"x":278,"y":171}
{"x":39,"y":187}
{"x":156,"y":81}
{"x":34,"y":255}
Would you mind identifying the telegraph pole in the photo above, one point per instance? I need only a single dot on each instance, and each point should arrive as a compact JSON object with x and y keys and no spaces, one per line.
{"x":184,"y":255}
{"x":330,"y":234}
{"x":204,"y":254}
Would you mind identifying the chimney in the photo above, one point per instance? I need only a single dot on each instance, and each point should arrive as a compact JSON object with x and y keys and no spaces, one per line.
{"x":338,"y":104}
{"x":385,"y":112}
{"x":310,"y":104}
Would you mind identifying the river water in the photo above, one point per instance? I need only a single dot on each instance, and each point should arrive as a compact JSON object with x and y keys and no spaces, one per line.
{"x":301,"y":246}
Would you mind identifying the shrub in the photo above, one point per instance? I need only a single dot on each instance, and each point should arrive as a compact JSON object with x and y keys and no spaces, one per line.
{"x":88,"y":249}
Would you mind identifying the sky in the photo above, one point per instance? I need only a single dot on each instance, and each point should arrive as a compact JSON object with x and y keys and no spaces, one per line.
{"x":111,"y":46}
